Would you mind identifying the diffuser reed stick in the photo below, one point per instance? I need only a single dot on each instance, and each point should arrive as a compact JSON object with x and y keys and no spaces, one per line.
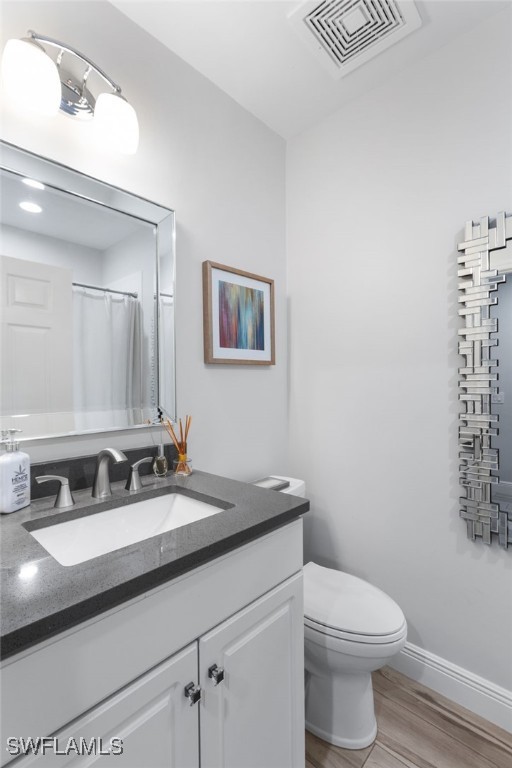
{"x":183,"y":466}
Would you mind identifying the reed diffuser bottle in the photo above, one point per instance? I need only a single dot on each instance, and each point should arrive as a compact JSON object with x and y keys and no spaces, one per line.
{"x":183,"y":464}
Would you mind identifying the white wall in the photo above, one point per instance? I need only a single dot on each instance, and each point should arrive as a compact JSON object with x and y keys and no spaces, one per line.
{"x":223,"y":172}
{"x":377,"y":198}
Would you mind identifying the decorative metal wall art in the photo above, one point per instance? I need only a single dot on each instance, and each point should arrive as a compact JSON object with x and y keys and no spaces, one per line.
{"x":479,"y":467}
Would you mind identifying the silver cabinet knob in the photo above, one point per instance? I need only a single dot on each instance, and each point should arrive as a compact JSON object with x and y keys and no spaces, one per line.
{"x":216,"y":674}
{"x":193,"y":693}
{"x":64,"y":496}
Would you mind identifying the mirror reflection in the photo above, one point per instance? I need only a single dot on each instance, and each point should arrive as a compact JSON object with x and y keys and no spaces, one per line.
{"x":501,"y":405}
{"x":86,"y":303}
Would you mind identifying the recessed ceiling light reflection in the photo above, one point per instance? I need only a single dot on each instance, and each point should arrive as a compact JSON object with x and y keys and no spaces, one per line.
{"x":28,"y":571}
{"x":30,"y":207}
{"x":33,"y":183}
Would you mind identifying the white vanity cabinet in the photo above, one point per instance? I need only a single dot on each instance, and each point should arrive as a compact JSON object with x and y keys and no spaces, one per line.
{"x":239,"y":643}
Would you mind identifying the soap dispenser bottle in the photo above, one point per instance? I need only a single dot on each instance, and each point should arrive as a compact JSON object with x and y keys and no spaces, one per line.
{"x":14,"y":475}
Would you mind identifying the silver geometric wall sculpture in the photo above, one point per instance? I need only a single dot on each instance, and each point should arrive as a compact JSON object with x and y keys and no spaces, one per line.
{"x":478,"y":380}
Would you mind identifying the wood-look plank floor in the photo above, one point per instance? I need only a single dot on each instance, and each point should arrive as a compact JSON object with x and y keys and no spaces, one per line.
{"x":418,"y":728}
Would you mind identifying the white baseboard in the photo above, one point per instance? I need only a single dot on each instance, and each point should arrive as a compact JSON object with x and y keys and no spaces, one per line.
{"x":471,"y":691}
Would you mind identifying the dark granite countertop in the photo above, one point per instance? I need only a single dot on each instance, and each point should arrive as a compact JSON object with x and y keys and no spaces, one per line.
{"x":40,"y":597}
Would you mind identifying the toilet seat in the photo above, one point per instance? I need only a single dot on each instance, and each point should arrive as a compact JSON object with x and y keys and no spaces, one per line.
{"x":343,"y":606}
{"x":356,"y":637}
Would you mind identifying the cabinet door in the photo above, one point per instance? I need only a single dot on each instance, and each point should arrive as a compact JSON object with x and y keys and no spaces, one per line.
{"x":254,"y":717}
{"x":152,"y":717}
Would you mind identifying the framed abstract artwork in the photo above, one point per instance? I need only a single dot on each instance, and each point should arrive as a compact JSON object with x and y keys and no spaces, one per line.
{"x":238,"y":316}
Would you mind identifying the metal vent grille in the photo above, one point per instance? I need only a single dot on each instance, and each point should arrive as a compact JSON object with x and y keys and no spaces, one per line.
{"x":346,"y":33}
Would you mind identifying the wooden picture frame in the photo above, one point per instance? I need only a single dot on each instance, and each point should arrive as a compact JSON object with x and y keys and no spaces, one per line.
{"x":238,"y":316}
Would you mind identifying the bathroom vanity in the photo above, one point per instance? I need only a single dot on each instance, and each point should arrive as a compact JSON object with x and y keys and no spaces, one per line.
{"x":187,"y":646}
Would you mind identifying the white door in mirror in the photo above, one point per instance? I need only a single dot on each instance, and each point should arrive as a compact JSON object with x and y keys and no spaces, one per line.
{"x":37,"y":347}
{"x":76,"y":541}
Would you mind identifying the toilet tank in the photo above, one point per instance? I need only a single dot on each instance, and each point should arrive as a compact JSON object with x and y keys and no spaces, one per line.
{"x":293,"y":485}
{"x":296,"y":488}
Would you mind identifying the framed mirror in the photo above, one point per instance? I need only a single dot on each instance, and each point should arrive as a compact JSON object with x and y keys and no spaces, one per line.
{"x":485,"y":379}
{"x":86,"y":302}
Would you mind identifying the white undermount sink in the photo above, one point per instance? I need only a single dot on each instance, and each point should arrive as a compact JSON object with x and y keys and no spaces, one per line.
{"x":76,"y":541}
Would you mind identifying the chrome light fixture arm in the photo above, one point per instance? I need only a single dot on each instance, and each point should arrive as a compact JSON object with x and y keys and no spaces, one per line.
{"x":64,"y":48}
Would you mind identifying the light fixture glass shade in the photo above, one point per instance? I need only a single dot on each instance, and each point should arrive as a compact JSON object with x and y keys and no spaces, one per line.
{"x":30,"y":77}
{"x":115,"y":123}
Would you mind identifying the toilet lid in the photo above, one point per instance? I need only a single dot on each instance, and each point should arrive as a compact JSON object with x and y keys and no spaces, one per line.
{"x":345,"y":603}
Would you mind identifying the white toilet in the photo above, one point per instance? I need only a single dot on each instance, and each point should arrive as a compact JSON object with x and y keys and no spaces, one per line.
{"x":351,"y":629}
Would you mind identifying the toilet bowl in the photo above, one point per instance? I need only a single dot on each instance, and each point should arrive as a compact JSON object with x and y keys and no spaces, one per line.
{"x":351,"y":629}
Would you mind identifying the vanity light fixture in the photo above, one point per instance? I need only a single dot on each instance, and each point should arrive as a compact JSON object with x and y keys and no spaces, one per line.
{"x":30,"y":207}
{"x":36,"y":82}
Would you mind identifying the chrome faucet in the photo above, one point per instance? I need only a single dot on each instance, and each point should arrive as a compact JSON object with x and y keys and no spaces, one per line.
{"x":101,"y":487}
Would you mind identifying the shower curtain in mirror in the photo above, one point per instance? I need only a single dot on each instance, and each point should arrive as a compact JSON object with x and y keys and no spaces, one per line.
{"x":106,"y":359}
{"x":166,"y":329}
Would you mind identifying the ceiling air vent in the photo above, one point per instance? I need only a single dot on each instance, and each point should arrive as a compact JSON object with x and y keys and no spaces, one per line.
{"x":347,"y":33}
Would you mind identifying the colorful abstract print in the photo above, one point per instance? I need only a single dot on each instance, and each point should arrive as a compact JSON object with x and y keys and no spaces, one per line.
{"x":241,"y":317}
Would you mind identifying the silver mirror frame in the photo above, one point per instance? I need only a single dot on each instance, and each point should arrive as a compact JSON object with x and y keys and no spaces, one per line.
{"x":479,"y":468}
{"x":24,"y":163}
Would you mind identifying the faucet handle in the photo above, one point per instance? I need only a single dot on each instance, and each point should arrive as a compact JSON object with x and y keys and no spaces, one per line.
{"x":133,"y":483}
{"x":64,"y":496}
